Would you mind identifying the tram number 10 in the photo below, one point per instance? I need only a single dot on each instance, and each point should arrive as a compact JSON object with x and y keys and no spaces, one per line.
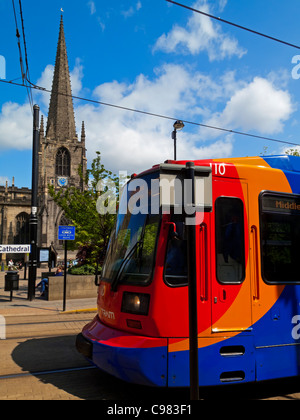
{"x":218,"y":168}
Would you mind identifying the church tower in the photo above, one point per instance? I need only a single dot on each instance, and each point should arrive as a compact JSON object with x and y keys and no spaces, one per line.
{"x":60,"y":152}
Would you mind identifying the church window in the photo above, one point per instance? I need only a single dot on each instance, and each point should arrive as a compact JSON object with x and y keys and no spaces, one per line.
{"x":22,"y":229}
{"x":62,"y":162}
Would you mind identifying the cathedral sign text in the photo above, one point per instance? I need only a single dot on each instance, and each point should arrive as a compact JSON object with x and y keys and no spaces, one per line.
{"x":15,"y":249}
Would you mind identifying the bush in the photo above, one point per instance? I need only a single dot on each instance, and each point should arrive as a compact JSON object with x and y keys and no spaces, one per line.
{"x":85,"y":269}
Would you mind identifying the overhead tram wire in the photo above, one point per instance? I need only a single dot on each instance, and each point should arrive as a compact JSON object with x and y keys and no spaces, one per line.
{"x":25,"y":74}
{"x":26,"y":78}
{"x":151,"y":114}
{"x":233,"y":24}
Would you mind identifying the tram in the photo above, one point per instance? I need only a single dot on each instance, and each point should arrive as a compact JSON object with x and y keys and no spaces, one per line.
{"x":247,"y":255}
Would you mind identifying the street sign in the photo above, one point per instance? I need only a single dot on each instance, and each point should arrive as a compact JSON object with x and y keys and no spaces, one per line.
{"x":15,"y":249}
{"x":66,"y":233}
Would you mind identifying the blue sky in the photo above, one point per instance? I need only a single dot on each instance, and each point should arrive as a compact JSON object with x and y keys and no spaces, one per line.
{"x":156,"y":57}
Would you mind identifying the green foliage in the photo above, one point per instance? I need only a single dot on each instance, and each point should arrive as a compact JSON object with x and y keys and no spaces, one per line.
{"x":85,"y":269}
{"x":92,"y":229}
{"x":292,"y":152}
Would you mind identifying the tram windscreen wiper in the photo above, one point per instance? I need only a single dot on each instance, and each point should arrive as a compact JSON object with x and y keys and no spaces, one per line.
{"x":122,"y":266}
{"x":129,"y":255}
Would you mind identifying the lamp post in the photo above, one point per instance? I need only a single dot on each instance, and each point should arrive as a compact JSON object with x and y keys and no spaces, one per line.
{"x":33,"y":217}
{"x":178,"y":125}
{"x":2,"y":219}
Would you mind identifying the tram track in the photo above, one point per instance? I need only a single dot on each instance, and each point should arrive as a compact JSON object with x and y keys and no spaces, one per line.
{"x":40,"y":345}
{"x":45,"y":322}
{"x":36,"y":336}
{"x":51,"y":329}
{"x":19,"y":328}
{"x":45,"y":372}
{"x":39,"y":361}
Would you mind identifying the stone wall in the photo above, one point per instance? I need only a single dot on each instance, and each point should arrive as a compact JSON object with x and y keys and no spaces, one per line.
{"x":78,"y":287}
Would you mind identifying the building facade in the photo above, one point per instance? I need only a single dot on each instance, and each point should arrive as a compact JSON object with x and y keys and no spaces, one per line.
{"x":15,"y":207}
{"x":61,"y":153}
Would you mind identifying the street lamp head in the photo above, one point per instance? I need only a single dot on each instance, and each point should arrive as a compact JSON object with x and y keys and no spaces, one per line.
{"x":178,"y":125}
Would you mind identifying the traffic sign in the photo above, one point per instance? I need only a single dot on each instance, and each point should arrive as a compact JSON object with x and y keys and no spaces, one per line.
{"x":66,"y":233}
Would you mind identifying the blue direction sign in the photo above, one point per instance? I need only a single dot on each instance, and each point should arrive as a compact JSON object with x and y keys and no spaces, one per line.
{"x":66,"y":233}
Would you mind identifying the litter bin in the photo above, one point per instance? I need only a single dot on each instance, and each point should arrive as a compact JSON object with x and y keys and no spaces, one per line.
{"x":11,"y":282}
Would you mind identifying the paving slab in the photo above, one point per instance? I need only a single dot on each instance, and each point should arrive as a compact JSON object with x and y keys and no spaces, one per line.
{"x":20,"y":305}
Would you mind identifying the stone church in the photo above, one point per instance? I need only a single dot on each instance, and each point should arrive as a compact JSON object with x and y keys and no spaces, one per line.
{"x":61,"y":153}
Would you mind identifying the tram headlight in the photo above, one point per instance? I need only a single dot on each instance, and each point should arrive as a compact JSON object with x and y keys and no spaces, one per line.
{"x":135,"y":303}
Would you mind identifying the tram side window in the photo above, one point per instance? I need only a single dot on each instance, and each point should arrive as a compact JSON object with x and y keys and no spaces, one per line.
{"x":230,"y":249}
{"x":175,"y":272}
{"x":280,"y":233}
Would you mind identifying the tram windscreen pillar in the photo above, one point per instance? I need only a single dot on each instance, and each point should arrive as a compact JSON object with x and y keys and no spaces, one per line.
{"x":194,"y":186}
{"x":192,"y":284}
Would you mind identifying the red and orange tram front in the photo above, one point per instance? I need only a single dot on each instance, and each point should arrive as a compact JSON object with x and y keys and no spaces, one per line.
{"x":247,"y":248}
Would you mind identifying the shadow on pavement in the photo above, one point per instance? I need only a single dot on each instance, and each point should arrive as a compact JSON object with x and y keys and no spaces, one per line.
{"x":57,"y":353}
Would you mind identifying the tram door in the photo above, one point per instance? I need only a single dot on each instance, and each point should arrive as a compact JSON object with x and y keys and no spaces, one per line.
{"x":231,"y":302}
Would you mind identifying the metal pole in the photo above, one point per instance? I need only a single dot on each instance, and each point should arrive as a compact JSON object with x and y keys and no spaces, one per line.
{"x":2,"y":219}
{"x":192,"y":287}
{"x":33,"y":217}
{"x":174,"y":134}
{"x":65,"y":276}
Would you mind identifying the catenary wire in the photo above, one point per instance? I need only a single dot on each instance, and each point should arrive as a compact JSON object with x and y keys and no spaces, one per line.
{"x":25,"y":74}
{"x":26,"y":78}
{"x":241,"y":133}
{"x":234,"y":24}
{"x":25,"y":53}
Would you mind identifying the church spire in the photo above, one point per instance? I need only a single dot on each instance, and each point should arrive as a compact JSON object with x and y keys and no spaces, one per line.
{"x":61,"y":120}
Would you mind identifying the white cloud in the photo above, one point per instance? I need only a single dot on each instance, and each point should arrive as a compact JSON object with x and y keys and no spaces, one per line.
{"x":222,"y":4}
{"x":131,"y":11}
{"x":76,"y":76}
{"x":92,"y":6}
{"x":133,"y":141}
{"x":257,"y":106}
{"x":16,"y":120}
{"x":45,"y":81}
{"x":43,"y":98}
{"x":200,"y":34}
{"x":15,"y":126}
{"x":3,"y":180}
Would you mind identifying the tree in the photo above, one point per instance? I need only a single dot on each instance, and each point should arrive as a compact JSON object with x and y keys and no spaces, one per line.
{"x":92,"y":229}
{"x":292,"y":152}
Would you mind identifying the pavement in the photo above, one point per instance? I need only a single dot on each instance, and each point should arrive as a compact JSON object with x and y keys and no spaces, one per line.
{"x":20,"y":305}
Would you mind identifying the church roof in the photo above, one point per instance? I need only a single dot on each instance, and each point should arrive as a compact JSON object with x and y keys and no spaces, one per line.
{"x":61,"y":120}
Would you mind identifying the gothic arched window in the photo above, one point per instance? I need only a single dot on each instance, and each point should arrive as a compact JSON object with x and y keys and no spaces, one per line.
{"x":22,"y":229}
{"x":63,"y":160}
